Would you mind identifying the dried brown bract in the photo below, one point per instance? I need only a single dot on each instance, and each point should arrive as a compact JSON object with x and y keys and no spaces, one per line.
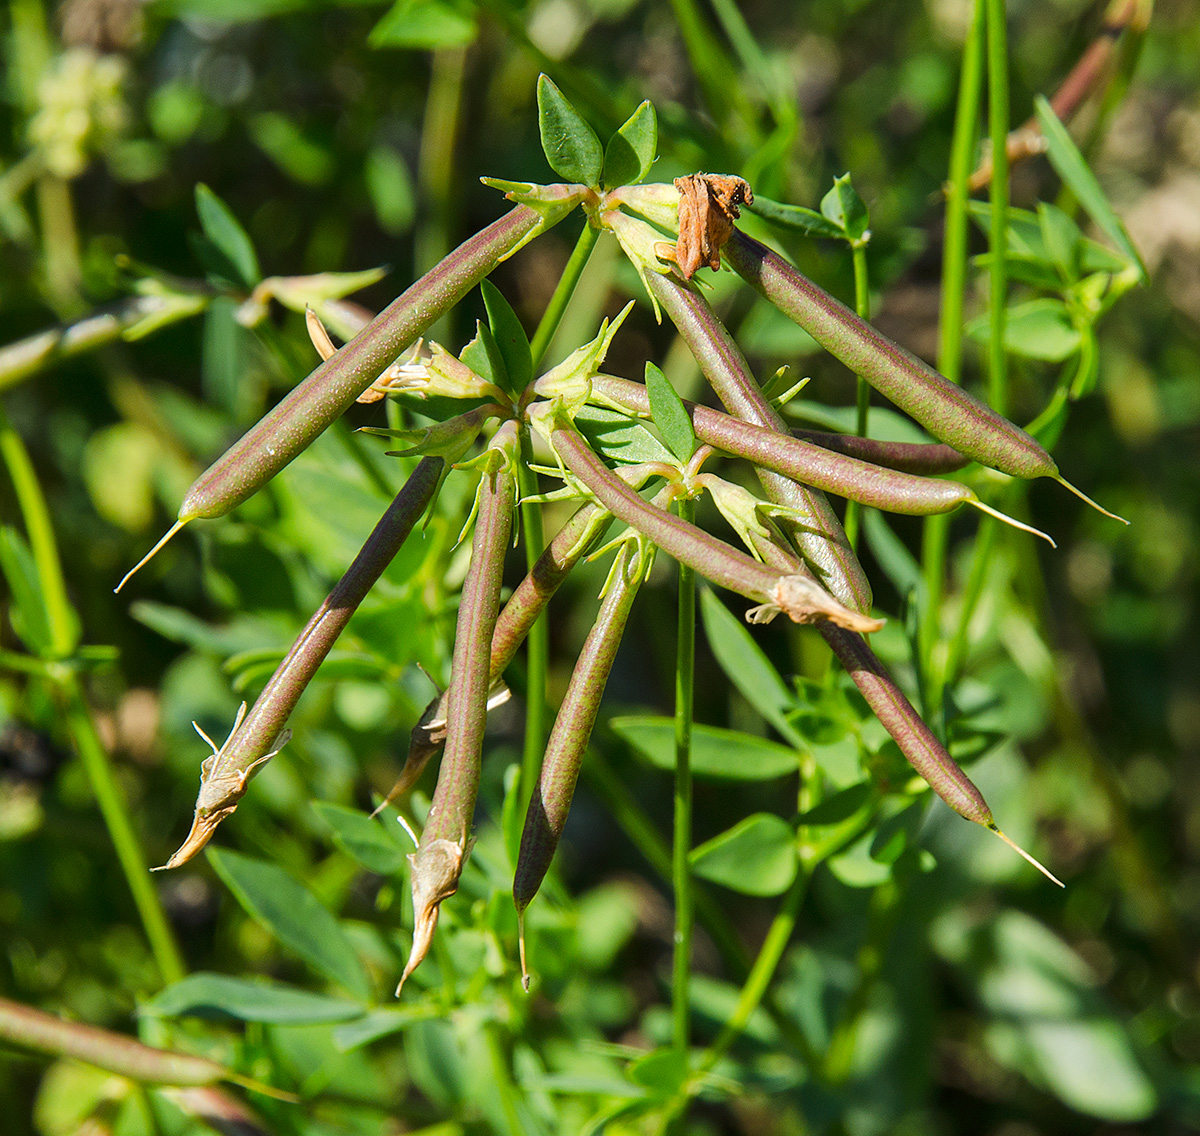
{"x":708,"y":207}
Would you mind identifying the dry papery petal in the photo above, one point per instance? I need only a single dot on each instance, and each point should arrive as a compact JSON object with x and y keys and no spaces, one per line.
{"x":803,"y":600}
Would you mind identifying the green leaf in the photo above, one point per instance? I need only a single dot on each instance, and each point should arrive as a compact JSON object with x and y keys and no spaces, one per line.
{"x":509,"y":336}
{"x":755,"y":857}
{"x":299,"y":157}
{"x":227,"y":236}
{"x":715,"y":753}
{"x":663,"y":1072}
{"x":846,"y":209}
{"x":669,"y":414}
{"x":1065,"y":157}
{"x":381,"y":1023}
{"x":483,"y":356}
{"x":630,"y":151}
{"x":1039,"y":329}
{"x":28,"y":613}
{"x":362,"y":838}
{"x":390,"y":187}
{"x":571,"y":146}
{"x":293,"y":915}
{"x":746,"y":666}
{"x":794,"y":217}
{"x":424,"y":25}
{"x":857,"y":868}
{"x":205,"y":995}
{"x":1063,"y":239}
{"x":618,"y":437}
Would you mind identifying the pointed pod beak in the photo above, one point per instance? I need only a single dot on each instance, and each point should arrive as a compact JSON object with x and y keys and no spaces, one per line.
{"x":201,"y":833}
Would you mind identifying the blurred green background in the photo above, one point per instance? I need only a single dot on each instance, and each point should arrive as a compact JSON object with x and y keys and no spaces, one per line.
{"x":347,"y":135}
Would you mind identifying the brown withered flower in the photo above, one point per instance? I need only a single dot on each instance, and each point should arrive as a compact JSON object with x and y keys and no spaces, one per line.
{"x":708,"y":207}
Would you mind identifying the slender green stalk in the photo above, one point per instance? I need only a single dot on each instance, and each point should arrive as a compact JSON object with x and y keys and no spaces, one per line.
{"x":685,"y":656}
{"x":936,"y":533}
{"x":862,"y":307}
{"x":538,"y":649}
{"x":997,"y":67}
{"x":64,"y":638}
{"x":563,"y":292}
{"x":754,"y":989}
{"x":97,"y":765}
{"x":64,"y":630}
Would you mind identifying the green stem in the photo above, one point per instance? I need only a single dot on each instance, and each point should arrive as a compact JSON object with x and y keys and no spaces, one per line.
{"x":935,"y":536}
{"x":997,"y":57}
{"x":754,"y":989}
{"x":862,"y":306}
{"x":64,"y":636}
{"x":97,"y":765}
{"x":685,"y":654}
{"x":563,"y":292}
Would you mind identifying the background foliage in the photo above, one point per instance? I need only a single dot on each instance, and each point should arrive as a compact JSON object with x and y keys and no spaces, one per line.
{"x":966,"y":996}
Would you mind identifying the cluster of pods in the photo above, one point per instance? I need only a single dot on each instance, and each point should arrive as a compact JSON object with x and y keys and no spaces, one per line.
{"x":799,"y":561}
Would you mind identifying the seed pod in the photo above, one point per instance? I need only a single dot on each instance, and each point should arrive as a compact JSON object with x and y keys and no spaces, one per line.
{"x":801,"y":600}
{"x":309,"y":409}
{"x":887,"y":489}
{"x":518,"y":615}
{"x":947,"y":411}
{"x":551,"y":801}
{"x":226,"y":775}
{"x":820,"y":535}
{"x":929,"y":458}
{"x":445,"y":843}
{"x":45,"y":1033}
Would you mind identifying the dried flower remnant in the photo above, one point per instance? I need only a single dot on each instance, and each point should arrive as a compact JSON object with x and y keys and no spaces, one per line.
{"x":708,"y":207}
{"x":437,"y":866}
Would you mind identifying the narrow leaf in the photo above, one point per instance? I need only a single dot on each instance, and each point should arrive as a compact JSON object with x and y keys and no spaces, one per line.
{"x":630,"y":151}
{"x":483,"y":356}
{"x":794,"y":217}
{"x":755,"y":857}
{"x":293,"y":915}
{"x":719,"y":753}
{"x":28,"y":613}
{"x":570,"y":144}
{"x":1065,"y":157}
{"x":669,"y":414}
{"x":509,"y":335}
{"x":746,"y":666}
{"x":424,"y":25}
{"x":226,"y":234}
{"x":362,"y":838}
{"x":206,"y":995}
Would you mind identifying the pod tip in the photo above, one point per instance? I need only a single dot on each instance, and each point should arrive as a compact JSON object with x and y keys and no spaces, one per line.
{"x":166,"y":537}
{"x":1025,"y":855}
{"x":1087,"y":500}
{"x":984,"y":508}
{"x":521,"y":949}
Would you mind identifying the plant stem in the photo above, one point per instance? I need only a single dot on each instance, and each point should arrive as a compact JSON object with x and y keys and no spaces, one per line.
{"x":997,"y":60}
{"x":862,"y":306}
{"x":97,"y":765}
{"x":64,"y":637}
{"x":685,"y":652}
{"x":563,"y":292}
{"x":538,"y":639}
{"x":936,"y":531}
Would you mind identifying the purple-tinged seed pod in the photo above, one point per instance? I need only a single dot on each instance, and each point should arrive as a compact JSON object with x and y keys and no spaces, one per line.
{"x":226,"y":775}
{"x":445,"y":842}
{"x":797,"y":597}
{"x":518,"y":615}
{"x":312,"y":406}
{"x":819,"y":536}
{"x":891,"y":706}
{"x":44,"y":1033}
{"x":551,"y":800}
{"x":887,"y":489}
{"x":926,"y":458}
